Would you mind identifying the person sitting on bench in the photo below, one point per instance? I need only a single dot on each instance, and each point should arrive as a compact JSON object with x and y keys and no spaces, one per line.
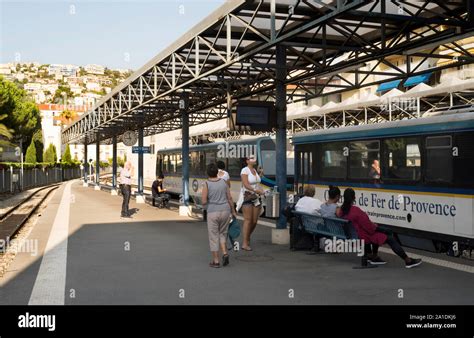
{"x":308,"y":203}
{"x":330,"y":208}
{"x":369,"y":232}
{"x":159,"y":193}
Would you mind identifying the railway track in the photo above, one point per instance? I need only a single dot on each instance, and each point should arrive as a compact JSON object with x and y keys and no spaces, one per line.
{"x":13,"y":220}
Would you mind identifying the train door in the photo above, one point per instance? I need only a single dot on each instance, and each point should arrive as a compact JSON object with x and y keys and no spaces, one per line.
{"x":304,"y":165}
{"x":464,"y":178}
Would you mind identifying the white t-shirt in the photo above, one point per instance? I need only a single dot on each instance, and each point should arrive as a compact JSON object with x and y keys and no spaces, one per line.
{"x":254,"y":180}
{"x":309,"y":205}
{"x":223,"y":174}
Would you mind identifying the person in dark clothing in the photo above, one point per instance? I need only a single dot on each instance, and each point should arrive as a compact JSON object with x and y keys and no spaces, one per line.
{"x":159,"y":193}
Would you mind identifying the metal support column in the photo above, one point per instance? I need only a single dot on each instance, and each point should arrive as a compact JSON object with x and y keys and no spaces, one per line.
{"x":140,"y":162}
{"x":86,"y":164}
{"x":185,"y":149}
{"x":280,"y":92}
{"x":114,"y":162}
{"x":97,"y":164}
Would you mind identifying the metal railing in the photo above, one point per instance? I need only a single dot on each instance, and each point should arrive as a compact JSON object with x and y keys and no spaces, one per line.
{"x":14,"y":180}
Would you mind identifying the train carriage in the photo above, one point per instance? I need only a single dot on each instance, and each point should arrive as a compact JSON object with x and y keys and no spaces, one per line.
{"x":169,"y":162}
{"x":425,"y":188}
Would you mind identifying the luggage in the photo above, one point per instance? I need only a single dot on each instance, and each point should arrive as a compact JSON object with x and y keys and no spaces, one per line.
{"x":234,"y":229}
{"x":299,"y":238}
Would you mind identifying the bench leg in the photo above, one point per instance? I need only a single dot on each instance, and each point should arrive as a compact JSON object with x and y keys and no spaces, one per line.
{"x":316,"y":247}
{"x":364,"y":264}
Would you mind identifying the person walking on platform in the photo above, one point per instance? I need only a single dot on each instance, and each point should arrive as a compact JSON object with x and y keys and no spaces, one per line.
{"x":126,"y":187}
{"x":219,"y":205}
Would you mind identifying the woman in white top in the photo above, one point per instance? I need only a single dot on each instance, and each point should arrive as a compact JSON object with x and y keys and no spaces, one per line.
{"x":249,"y":200}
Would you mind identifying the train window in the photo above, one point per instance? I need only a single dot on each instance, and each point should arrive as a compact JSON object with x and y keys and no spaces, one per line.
{"x":402,"y":159}
{"x":464,"y":161}
{"x":268,"y":155}
{"x":362,"y":157}
{"x":194,"y":164}
{"x":439,"y":159}
{"x":179,"y":164}
{"x":234,"y":166}
{"x":165,"y":164}
{"x":211,"y":156}
{"x":333,"y":161}
{"x":172,"y":167}
{"x":305,"y":166}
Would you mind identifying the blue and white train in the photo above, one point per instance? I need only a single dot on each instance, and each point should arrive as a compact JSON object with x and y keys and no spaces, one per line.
{"x":169,"y":163}
{"x":426,"y":186}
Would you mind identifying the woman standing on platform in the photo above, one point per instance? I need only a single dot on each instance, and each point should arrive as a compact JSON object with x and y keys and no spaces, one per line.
{"x":219,"y":205}
{"x":249,"y":200}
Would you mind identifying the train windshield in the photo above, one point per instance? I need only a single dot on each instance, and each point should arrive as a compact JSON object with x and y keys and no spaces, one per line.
{"x":268,"y":158}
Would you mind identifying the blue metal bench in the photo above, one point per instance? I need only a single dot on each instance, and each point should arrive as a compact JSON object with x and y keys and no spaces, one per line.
{"x":332,"y":228}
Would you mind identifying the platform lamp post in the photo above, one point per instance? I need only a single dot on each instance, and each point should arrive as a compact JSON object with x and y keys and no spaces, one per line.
{"x":19,"y":153}
{"x":90,"y":169}
{"x":184,"y":208}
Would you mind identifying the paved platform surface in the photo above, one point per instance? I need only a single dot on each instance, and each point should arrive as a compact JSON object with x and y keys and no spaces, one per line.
{"x":89,"y":255}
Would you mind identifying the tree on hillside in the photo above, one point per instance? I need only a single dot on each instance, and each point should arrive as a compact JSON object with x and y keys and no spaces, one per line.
{"x":23,"y":116}
{"x":67,"y":155}
{"x":31,"y":153}
{"x":39,"y":146}
{"x":63,"y":92}
{"x":55,"y":153}
{"x":5,"y":132}
{"x":50,"y":154}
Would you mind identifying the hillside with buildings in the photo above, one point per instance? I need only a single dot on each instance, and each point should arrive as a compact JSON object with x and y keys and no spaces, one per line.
{"x":64,"y":84}
{"x":62,"y":93}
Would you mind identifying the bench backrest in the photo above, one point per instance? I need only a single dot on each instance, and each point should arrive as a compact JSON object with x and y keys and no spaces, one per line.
{"x":327,"y":226}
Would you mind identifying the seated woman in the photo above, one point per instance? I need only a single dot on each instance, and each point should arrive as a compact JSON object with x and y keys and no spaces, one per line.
{"x":367,"y":231}
{"x":330,"y":208}
{"x":308,"y":203}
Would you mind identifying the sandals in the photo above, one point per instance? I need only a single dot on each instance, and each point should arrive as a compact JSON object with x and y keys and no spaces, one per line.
{"x":214,"y":265}
{"x":246,"y":248}
{"x":225,"y":260}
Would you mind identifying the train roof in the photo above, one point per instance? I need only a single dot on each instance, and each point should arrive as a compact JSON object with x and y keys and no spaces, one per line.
{"x":212,"y":144}
{"x":422,"y":125}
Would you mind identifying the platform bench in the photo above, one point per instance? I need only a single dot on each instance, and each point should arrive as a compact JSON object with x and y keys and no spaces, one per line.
{"x":331,"y":228}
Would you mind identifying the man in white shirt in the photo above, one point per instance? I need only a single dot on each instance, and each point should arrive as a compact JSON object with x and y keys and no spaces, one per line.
{"x":126,"y":187}
{"x":308,"y":203}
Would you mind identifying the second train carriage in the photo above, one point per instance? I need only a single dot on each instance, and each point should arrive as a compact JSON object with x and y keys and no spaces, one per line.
{"x":169,"y":162}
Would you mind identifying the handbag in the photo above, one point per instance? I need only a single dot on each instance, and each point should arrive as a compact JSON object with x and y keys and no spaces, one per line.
{"x":234,"y":229}
{"x":250,"y":196}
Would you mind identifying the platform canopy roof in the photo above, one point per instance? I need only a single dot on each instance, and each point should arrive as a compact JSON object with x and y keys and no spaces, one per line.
{"x":231,"y":53}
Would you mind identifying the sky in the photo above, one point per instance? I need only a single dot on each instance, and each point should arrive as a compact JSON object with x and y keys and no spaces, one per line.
{"x":122,"y":34}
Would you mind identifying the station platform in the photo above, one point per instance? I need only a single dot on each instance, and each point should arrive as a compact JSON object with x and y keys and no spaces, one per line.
{"x":87,"y":254}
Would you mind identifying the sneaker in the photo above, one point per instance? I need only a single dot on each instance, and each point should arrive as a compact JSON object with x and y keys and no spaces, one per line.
{"x":376,"y":261}
{"x":413,"y":262}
